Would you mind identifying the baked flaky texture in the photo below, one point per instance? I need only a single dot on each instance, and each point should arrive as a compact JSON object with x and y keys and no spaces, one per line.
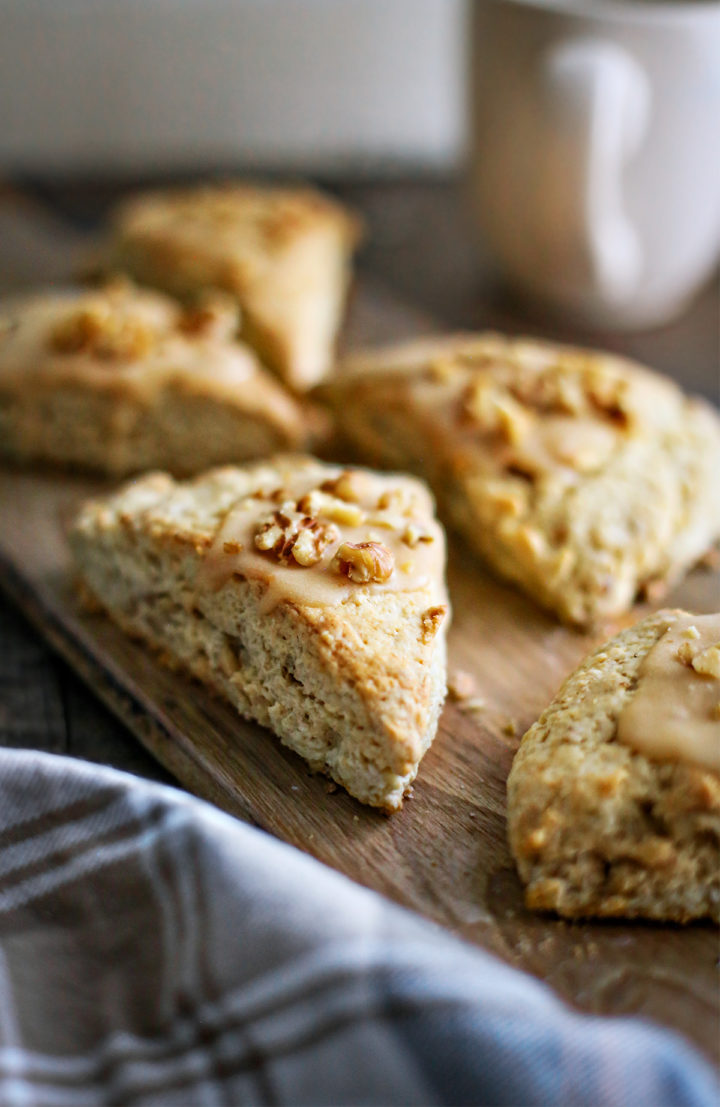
{"x":119,"y":380}
{"x":283,"y":253}
{"x":582,"y":477}
{"x":339,"y":657}
{"x":598,"y":829}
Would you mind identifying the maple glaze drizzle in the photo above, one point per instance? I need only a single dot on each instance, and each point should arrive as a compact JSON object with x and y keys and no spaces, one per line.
{"x":233,"y":551}
{"x":675,"y":711}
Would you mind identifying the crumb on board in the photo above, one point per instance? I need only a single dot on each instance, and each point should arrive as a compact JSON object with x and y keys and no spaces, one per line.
{"x":474,"y":705}
{"x":461,"y":685}
{"x":510,"y":727}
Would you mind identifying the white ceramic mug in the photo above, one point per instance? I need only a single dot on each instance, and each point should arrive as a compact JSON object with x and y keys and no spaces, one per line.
{"x":596,"y":151}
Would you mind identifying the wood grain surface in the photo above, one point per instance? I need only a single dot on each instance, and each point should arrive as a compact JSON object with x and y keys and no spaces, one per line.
{"x":445,"y":854}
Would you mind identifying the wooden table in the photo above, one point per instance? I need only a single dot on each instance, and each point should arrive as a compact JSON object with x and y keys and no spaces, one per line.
{"x":420,"y":246}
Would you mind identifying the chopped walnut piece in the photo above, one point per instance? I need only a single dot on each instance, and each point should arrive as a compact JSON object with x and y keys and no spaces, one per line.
{"x":318,"y":503}
{"x":431,"y":620}
{"x":351,"y":486}
{"x":97,"y":330}
{"x":400,"y":500}
{"x":461,"y":685}
{"x":413,"y":534}
{"x":214,"y":316}
{"x":707,"y":663}
{"x":443,"y":369}
{"x":364,"y":562}
{"x":290,"y":534}
{"x":495,"y":411}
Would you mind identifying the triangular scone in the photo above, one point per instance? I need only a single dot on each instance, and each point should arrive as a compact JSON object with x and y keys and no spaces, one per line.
{"x":614,"y":794}
{"x":284,"y":254}
{"x":580,"y":476}
{"x":119,"y":380}
{"x":310,"y":596}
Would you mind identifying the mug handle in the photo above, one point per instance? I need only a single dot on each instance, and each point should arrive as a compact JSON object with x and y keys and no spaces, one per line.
{"x":600,"y":104}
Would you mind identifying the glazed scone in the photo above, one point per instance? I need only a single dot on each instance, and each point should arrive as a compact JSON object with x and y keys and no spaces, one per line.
{"x":284,"y":254}
{"x":582,"y":477}
{"x":614,"y":794}
{"x":311,"y":597}
{"x":119,"y":380}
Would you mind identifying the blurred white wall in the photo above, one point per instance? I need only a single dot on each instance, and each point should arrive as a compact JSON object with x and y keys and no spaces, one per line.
{"x":142,"y":85}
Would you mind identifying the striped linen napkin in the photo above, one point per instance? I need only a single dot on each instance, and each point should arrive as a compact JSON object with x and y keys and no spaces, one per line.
{"x":155,"y":951}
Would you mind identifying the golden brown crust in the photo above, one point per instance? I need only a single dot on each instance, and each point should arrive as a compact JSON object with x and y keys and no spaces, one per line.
{"x":355,"y":686}
{"x":597,"y":828}
{"x":283,"y":253}
{"x":120,"y":379}
{"x":581,"y":476}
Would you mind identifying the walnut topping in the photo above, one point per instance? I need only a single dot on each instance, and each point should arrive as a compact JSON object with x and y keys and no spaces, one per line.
{"x":351,"y":486}
{"x":413,"y":534}
{"x":443,"y":370}
{"x":431,"y":621}
{"x":707,"y":663}
{"x":289,"y":533}
{"x":98,"y":330}
{"x":337,"y":510}
{"x":493,"y":410}
{"x":215,"y":316}
{"x":402,"y":501}
{"x":364,"y":562}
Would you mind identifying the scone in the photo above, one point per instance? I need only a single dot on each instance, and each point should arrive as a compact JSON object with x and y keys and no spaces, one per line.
{"x":311,"y":597}
{"x":614,"y":794}
{"x":284,"y":254}
{"x":580,"y":476}
{"x":119,"y":380}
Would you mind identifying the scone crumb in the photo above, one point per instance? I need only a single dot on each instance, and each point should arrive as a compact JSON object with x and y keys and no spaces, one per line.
{"x":232,"y":547}
{"x":461,"y":685}
{"x":474,"y":705}
{"x":510,"y":728}
{"x":431,"y":621}
{"x":655,"y":590}
{"x":364,"y":562}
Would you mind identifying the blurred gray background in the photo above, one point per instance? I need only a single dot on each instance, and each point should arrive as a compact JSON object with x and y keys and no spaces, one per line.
{"x":155,"y":85}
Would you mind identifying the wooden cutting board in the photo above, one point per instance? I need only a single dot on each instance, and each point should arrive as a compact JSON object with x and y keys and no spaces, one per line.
{"x":445,"y":854}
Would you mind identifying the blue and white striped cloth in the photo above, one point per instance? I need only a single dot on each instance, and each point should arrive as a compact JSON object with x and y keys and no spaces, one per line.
{"x":155,"y":951}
